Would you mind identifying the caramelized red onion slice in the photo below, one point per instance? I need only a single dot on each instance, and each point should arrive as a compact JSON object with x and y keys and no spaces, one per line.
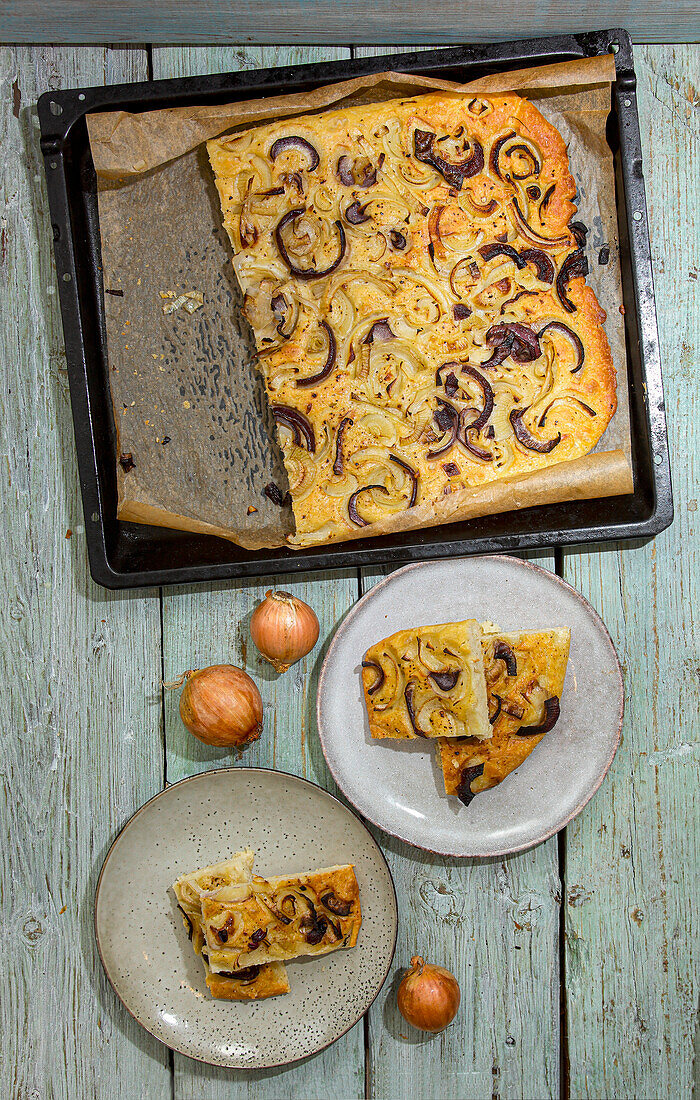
{"x":523,"y":435}
{"x":451,"y":469}
{"x":299,"y":425}
{"x":551,"y":716}
{"x":447,"y":418}
{"x":245,"y":976}
{"x":336,"y":905}
{"x":344,"y":170}
{"x":283,"y":312}
{"x":481,"y":208}
{"x":380,"y":330}
{"x":496,"y":152}
{"x":580,"y":232}
{"x":355,"y":213}
{"x":301,"y":273}
{"x":574,"y":340}
{"x":454,"y":174}
{"x":473,"y":271}
{"x":569,"y":397}
{"x":345,"y":423}
{"x":490,"y":251}
{"x":380,"y":677}
{"x":536,"y":166}
{"x":487,"y":393}
{"x":398,"y":241}
{"x":541,"y":262}
{"x":408,"y":694}
{"x":304,"y":383}
{"x":352,"y":504}
{"x":413,"y":476}
{"x":473,"y":448}
{"x":460,"y":312}
{"x":530,"y":234}
{"x":464,"y":790}
{"x":503,"y":652}
{"x":346,"y":173}
{"x":499,"y":704}
{"x":514,"y":339}
{"x":574,"y":265}
{"x":295,"y":142}
{"x":446,"y":680}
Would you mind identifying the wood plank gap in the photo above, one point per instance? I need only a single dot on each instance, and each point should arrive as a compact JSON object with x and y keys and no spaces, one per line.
{"x":564,"y":1081}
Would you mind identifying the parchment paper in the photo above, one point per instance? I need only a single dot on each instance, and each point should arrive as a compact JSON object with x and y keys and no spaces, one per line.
{"x":190,"y":408}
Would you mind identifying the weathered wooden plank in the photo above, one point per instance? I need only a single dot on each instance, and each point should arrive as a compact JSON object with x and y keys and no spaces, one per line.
{"x":211,"y":624}
{"x":82,"y":741}
{"x":330,"y":21}
{"x":632,"y":965}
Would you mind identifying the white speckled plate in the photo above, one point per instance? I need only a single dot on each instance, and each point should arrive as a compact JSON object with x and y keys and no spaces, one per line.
{"x":292,"y":825}
{"x":398,"y":785}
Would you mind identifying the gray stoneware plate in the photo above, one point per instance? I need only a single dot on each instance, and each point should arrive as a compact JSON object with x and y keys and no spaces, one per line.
{"x":398,"y":785}
{"x":292,"y":825}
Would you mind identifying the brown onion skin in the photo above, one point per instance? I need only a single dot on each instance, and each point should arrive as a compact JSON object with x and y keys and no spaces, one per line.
{"x":428,"y":996}
{"x":284,"y":629}
{"x":221,"y":706}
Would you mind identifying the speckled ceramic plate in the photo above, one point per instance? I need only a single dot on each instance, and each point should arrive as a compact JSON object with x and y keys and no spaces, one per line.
{"x":292,"y":825}
{"x":398,"y":785}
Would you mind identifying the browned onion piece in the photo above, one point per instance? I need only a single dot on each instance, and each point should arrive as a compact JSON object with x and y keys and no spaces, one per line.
{"x":451,"y":469}
{"x":473,"y":271}
{"x":304,"y":383}
{"x":190,"y":926}
{"x":512,"y":338}
{"x":344,"y":170}
{"x":542,"y":262}
{"x":434,"y":232}
{"x":300,"y":273}
{"x":499,"y":704}
{"x":295,"y":142}
{"x":503,"y":652}
{"x":381,"y":677}
{"x":355,"y":213}
{"x":473,"y":448}
{"x":408,"y":696}
{"x":551,"y":716}
{"x":580,"y":232}
{"x":559,"y":326}
{"x":489,"y":251}
{"x":280,"y":306}
{"x":447,"y":418}
{"x":245,"y":976}
{"x":582,"y":404}
{"x":380,"y":330}
{"x":523,"y":436}
{"x":574,"y":265}
{"x":481,"y":208}
{"x":464,"y":790}
{"x":536,"y":167}
{"x":486,"y":390}
{"x":533,"y":192}
{"x":496,"y":152}
{"x":345,"y":423}
{"x":531,"y":235}
{"x":546,"y":198}
{"x":346,"y":173}
{"x":413,"y":476}
{"x":300,"y":426}
{"x":454,"y":174}
{"x":461,"y":312}
{"x":398,"y":241}
{"x":445,"y":680}
{"x":352,"y":504}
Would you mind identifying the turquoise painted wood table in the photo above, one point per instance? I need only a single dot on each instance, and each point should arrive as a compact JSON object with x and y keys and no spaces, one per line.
{"x":578,"y":960}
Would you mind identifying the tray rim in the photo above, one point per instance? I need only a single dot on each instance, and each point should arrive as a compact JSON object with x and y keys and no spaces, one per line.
{"x":201,"y":775}
{"x":59,"y":113}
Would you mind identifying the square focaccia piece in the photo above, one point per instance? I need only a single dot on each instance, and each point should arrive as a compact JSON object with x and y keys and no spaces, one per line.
{"x":427,"y":682}
{"x":282,"y":918}
{"x":418,"y":299}
{"x":254,"y":983}
{"x":525,"y":674}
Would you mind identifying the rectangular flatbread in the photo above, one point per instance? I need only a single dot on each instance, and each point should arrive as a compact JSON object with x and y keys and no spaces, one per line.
{"x":416,"y":288}
{"x":254,"y":983}
{"x":284,"y":917}
{"x":525,"y":673}
{"x":427,"y":682}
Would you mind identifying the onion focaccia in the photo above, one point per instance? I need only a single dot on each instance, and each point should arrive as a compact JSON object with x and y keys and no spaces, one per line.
{"x":253,"y":983}
{"x":282,"y":918}
{"x":427,"y":682}
{"x":525,"y":678}
{"x":416,"y":290}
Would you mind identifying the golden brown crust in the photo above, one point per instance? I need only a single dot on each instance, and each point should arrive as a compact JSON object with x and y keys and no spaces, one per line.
{"x":362,"y":455}
{"x":540,"y":662}
{"x":430,"y":679}
{"x":271,"y":981}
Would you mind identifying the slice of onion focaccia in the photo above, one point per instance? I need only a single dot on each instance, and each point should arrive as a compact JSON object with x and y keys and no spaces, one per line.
{"x":417,"y":294}
{"x":254,"y":983}
{"x":427,"y":682}
{"x":525,"y":674}
{"x":282,"y":918}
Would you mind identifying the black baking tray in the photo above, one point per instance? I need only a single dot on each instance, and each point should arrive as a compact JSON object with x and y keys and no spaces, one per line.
{"x":128,"y":555}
